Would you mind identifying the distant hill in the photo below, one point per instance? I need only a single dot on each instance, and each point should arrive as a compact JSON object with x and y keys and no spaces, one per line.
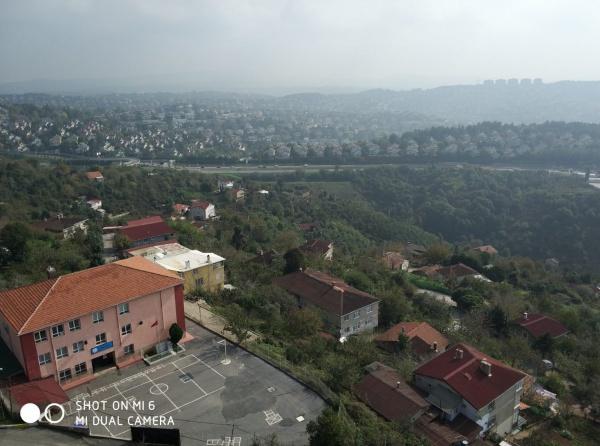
{"x":465,"y":104}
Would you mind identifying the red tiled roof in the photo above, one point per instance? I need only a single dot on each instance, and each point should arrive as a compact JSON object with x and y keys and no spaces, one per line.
{"x":317,"y":246}
{"x":489,"y":249}
{"x":466,"y":378}
{"x":93,"y":175}
{"x":200,"y":204}
{"x":393,"y":259}
{"x":145,"y":231}
{"x":458,"y":270}
{"x":318,"y":288}
{"x":538,"y":325}
{"x":149,"y":245}
{"x":41,"y":392}
{"x":307,"y":226}
{"x":421,"y":334}
{"x":144,"y":221}
{"x":181,"y":208}
{"x":384,"y":390}
{"x":43,"y":304}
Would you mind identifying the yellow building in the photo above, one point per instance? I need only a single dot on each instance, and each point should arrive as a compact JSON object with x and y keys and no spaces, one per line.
{"x":204,"y":270}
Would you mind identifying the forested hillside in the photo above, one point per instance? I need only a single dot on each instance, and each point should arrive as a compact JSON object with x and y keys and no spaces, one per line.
{"x":534,"y":214}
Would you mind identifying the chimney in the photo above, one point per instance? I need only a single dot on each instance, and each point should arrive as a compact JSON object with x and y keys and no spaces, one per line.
{"x":51,"y":272}
{"x":525,"y":315}
{"x":187,"y":264}
{"x":485,"y":367}
{"x":434,"y":346}
{"x":458,"y":354}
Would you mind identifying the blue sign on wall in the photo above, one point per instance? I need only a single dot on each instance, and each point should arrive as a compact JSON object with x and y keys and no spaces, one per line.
{"x":102,"y":347}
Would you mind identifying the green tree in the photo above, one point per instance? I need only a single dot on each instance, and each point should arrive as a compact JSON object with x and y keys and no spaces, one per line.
{"x":304,"y":322}
{"x":331,"y":429}
{"x":238,"y":322}
{"x":294,"y":261}
{"x":14,"y":237}
{"x":175,"y":333}
{"x":238,"y":240}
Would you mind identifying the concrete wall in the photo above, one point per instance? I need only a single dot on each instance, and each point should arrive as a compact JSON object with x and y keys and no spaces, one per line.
{"x":497,"y":416}
{"x":12,"y":341}
{"x":213,"y":278}
{"x":365,"y":318}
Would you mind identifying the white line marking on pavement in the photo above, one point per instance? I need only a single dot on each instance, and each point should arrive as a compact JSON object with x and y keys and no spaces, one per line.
{"x":193,"y":401}
{"x":207,"y":365}
{"x":193,"y":380}
{"x":164,"y":394}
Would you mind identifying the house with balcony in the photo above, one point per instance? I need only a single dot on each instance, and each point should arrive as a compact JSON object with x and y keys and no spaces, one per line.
{"x":347,"y":310}
{"x":73,"y":326}
{"x":463,"y":381}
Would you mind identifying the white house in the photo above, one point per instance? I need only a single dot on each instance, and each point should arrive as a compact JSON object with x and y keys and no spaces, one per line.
{"x":202,"y":210}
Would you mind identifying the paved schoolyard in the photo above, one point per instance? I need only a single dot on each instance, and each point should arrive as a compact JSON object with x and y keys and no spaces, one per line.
{"x":211,"y":403}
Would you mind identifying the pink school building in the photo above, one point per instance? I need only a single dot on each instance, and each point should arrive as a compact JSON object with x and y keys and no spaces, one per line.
{"x":72,"y":326}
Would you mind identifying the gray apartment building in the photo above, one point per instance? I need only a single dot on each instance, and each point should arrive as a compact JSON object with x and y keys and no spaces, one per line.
{"x":347,"y":310}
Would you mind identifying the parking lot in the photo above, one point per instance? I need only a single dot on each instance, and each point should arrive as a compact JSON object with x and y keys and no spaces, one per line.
{"x":210,"y":402}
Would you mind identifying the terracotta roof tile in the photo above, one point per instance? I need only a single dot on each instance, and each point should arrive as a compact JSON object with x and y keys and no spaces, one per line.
{"x":421,"y":334}
{"x":386,"y":393}
{"x":538,"y":325}
{"x":144,"y":221}
{"x":318,"y":288}
{"x":145,"y":231}
{"x":43,"y":304}
{"x":466,"y":378}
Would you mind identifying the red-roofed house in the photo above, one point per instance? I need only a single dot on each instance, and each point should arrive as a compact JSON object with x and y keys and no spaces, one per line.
{"x":459,"y":272}
{"x":147,"y":231}
{"x":395,"y":260}
{"x":349,"y":311}
{"x":95,"y":176}
{"x":538,"y":325}
{"x":384,"y":391}
{"x":74,"y":325}
{"x":463,"y":380}
{"x":323,"y":248}
{"x":424,"y":339}
{"x":180,"y":209}
{"x":202,"y":210}
{"x":486,"y":249}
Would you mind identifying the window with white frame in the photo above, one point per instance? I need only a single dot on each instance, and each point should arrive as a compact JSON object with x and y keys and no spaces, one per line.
{"x":124,"y":308}
{"x":40,"y":336}
{"x":370,"y":308}
{"x":58,"y":330}
{"x":78,"y":346}
{"x":65,"y":375}
{"x":100,"y":338}
{"x":44,"y":358}
{"x":126,"y":329}
{"x":128,"y":349}
{"x":356,"y":314}
{"x":97,"y":317}
{"x":80,"y":368}
{"x":74,"y":325}
{"x":347,"y":317}
{"x":62,"y":352}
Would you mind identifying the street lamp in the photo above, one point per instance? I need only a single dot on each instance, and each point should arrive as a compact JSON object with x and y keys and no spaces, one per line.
{"x":226,"y":360}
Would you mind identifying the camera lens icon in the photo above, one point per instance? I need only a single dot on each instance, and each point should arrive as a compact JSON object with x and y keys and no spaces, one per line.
{"x":30,"y":413}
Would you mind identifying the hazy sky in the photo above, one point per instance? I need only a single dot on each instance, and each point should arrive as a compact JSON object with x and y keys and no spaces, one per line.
{"x":245,"y":44}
